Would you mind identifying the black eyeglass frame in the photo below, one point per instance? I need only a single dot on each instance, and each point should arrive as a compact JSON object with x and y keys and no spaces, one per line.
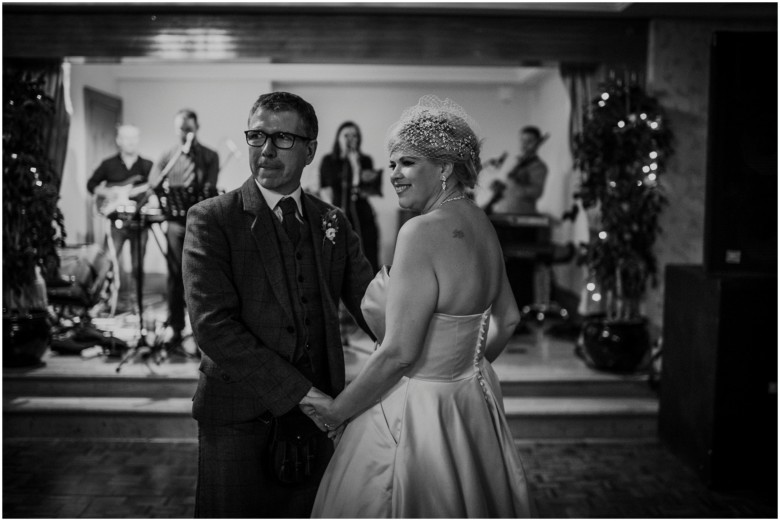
{"x":273,"y":138}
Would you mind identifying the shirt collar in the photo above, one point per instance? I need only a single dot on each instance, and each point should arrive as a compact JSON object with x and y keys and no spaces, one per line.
{"x":273,"y":198}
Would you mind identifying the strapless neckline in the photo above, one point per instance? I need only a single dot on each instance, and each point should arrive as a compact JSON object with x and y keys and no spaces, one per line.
{"x":375,"y":300}
{"x":464,"y":316}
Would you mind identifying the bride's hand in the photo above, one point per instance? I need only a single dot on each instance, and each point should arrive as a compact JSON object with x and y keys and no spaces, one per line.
{"x":336,"y":434}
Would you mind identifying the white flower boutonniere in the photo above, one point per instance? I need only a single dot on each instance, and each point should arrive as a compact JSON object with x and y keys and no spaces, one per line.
{"x":330,"y":225}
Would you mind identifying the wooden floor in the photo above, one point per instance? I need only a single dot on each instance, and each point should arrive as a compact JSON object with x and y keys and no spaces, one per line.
{"x":70,"y":478}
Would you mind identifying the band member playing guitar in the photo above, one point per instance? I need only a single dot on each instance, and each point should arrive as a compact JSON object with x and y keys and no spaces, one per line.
{"x":118,"y":182}
{"x":525,"y":179}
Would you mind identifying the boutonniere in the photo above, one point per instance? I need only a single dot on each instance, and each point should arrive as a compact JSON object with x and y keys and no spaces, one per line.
{"x":330,"y":225}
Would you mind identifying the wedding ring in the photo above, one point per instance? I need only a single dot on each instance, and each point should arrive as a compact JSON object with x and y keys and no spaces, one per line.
{"x":326,"y":426}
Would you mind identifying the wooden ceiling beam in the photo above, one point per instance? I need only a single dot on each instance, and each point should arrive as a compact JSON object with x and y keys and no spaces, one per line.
{"x":325,"y":36}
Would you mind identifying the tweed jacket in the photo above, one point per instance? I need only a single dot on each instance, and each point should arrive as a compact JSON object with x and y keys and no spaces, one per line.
{"x":240,"y":309}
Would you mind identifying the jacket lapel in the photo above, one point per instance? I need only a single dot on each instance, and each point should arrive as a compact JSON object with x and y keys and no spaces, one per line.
{"x":322,"y":249}
{"x":268,"y":246}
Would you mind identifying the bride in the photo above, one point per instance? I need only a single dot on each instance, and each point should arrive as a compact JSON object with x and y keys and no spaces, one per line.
{"x":422,"y":428}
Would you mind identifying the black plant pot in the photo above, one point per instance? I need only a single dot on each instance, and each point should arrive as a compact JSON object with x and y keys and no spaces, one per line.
{"x":618,"y":346}
{"x":25,"y":338}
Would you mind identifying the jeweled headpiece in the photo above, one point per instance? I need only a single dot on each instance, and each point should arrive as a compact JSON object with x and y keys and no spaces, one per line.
{"x":436,"y":129}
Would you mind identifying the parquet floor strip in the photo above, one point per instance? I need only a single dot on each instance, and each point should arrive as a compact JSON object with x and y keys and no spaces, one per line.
{"x":78,"y":478}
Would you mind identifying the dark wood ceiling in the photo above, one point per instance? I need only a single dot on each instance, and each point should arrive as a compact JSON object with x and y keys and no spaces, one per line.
{"x":472,"y":34}
{"x":703,"y":10}
{"x":318,"y":35}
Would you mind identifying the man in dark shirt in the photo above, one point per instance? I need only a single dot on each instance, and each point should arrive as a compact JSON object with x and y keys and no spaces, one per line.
{"x":120,"y":181}
{"x":193,"y":166}
{"x":526,"y":179}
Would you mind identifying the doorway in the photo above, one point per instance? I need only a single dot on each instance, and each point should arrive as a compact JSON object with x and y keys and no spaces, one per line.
{"x":102,"y":115}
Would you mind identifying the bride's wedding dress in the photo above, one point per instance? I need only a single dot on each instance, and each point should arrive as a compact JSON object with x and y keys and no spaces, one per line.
{"x":437,"y":444}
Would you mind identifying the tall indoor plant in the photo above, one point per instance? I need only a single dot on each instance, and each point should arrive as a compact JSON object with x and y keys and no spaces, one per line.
{"x":621,"y":153}
{"x":32,"y":223}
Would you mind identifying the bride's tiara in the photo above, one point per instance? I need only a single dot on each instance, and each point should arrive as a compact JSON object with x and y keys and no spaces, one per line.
{"x":436,"y":129}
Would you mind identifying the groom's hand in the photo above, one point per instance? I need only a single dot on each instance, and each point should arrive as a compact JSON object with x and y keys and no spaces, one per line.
{"x":307,"y":406}
{"x":309,"y":411}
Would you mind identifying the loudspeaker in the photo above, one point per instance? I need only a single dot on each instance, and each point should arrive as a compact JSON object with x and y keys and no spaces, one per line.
{"x":740,"y":222}
{"x":718,"y":390}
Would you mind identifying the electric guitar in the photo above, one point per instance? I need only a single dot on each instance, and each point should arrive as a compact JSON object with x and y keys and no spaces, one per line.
{"x":108,"y":198}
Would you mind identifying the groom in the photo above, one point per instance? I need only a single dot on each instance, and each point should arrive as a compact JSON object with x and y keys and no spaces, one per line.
{"x":264,"y":269}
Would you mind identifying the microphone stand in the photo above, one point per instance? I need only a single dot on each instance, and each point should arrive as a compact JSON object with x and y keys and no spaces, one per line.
{"x":137,"y":223}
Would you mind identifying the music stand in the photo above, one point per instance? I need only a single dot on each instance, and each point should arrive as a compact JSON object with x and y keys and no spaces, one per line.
{"x":175,"y":201}
{"x":138,"y":221}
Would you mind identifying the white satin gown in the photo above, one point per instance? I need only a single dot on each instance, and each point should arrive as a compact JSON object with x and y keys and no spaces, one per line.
{"x":438,"y":443}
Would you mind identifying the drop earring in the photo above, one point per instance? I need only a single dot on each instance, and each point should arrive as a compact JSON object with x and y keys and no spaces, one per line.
{"x":443,"y":183}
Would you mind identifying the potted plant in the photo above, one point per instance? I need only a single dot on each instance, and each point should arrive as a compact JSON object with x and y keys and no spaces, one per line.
{"x":32,"y":223}
{"x":621,"y":153}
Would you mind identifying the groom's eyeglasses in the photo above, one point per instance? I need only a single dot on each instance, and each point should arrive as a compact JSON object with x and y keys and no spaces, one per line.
{"x":283,"y":140}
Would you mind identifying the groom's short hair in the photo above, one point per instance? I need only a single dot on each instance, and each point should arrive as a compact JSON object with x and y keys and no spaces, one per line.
{"x":282,"y":101}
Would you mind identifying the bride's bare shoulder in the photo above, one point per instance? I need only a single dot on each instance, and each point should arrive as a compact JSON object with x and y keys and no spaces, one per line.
{"x":419,"y":225}
{"x":419,"y":232}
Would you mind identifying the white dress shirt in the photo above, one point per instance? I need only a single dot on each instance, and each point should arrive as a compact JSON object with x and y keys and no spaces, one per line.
{"x":272,"y":200}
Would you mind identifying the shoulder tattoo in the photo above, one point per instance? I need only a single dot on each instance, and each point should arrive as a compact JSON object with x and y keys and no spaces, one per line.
{"x":458,"y":234}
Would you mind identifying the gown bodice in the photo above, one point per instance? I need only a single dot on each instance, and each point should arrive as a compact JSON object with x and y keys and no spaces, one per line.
{"x":453,"y":346}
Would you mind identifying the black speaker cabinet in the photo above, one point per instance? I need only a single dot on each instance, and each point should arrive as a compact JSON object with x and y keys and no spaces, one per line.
{"x":740,"y":224}
{"x":718,"y":394}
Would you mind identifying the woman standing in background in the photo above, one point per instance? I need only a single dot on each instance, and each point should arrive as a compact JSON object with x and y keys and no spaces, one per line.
{"x":347,"y":179}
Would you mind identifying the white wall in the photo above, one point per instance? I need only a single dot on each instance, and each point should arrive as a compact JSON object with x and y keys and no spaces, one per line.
{"x":75,"y":202}
{"x":551,"y":101}
{"x":501,"y":100}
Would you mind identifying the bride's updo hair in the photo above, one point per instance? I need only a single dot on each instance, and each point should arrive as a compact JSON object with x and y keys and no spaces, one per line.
{"x":442,"y":132}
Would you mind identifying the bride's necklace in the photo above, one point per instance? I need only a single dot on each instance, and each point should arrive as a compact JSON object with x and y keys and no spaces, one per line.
{"x":452,"y":199}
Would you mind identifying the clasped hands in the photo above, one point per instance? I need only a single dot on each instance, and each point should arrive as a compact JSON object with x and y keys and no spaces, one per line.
{"x":318,"y":406}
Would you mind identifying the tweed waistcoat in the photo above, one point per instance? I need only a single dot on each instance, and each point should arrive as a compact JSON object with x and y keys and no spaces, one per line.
{"x":303,"y":285}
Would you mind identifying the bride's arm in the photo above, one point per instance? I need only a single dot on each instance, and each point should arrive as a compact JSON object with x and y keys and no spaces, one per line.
{"x":411,"y":302}
{"x":504,"y":318}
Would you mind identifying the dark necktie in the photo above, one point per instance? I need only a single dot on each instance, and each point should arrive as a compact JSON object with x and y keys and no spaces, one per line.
{"x":289,"y":220}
